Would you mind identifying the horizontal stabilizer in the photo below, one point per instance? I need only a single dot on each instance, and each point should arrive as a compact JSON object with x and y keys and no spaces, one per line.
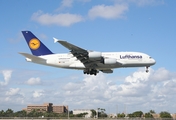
{"x":32,"y":57}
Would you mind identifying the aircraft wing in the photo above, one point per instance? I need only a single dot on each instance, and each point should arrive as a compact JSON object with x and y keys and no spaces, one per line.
{"x":80,"y":53}
{"x":69,"y":45}
{"x":84,"y":56}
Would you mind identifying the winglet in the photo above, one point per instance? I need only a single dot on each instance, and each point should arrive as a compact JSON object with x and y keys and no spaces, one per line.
{"x":55,"y":40}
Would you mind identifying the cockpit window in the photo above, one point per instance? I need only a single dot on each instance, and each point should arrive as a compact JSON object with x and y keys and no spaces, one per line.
{"x":150,"y":57}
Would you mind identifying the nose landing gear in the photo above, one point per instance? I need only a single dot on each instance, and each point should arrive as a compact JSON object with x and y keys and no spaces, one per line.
{"x":147,"y":69}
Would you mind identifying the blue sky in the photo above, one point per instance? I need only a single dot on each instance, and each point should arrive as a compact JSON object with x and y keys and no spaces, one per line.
{"x":103,"y":25}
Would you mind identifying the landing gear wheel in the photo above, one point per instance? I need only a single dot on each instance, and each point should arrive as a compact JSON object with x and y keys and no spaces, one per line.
{"x":147,"y":69}
{"x":91,"y":72}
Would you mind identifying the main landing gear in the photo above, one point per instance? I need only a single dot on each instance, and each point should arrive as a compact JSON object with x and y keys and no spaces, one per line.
{"x":90,"y":71}
{"x":147,"y":69}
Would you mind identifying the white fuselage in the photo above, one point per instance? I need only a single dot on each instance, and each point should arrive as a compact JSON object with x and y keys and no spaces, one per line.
{"x":124,"y":59}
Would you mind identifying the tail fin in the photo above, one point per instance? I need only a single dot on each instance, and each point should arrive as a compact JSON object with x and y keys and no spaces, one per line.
{"x":36,"y":46}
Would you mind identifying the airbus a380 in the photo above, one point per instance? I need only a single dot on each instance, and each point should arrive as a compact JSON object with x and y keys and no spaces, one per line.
{"x":91,"y":62}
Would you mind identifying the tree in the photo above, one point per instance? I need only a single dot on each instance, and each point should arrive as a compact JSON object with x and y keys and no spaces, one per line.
{"x":35,"y":113}
{"x":81,"y":114}
{"x":22,"y":113}
{"x":152,"y":111}
{"x":138,"y":114}
{"x":102,"y":113}
{"x":165,"y":114}
{"x":9,"y":113}
{"x":93,"y":113}
{"x":102,"y":110}
{"x":2,"y":113}
{"x":121,"y":115}
{"x":148,"y":115}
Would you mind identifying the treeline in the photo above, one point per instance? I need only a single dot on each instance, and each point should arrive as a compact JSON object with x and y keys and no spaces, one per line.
{"x":38,"y":113}
{"x":101,"y":114}
{"x":35,"y":113}
{"x":149,"y":114}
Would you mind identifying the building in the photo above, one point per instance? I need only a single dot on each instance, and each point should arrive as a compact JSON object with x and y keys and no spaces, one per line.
{"x":156,"y":115}
{"x":60,"y":109}
{"x":173,"y":116}
{"x":47,"y":107}
{"x":78,"y":111}
{"x":112,"y":115}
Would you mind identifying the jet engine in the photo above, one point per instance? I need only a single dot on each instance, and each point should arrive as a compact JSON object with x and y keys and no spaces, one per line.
{"x":109,"y":61}
{"x":94,"y":55}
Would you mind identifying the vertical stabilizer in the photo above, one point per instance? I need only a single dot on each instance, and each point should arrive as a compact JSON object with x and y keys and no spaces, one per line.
{"x":36,"y":46}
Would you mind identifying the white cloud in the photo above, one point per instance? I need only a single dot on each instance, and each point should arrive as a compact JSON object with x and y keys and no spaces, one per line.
{"x":38,"y":93}
{"x":43,"y":36}
{"x":137,"y":77}
{"x":138,"y":91}
{"x":7,"y":75}
{"x":66,"y":3}
{"x":7,"y":99}
{"x":34,"y":81}
{"x":13,"y":91}
{"x":12,"y":96}
{"x":140,"y":2}
{"x":146,"y":2}
{"x":161,"y":75}
{"x":84,"y":1}
{"x":69,"y":3}
{"x":62,"y":19}
{"x":94,"y":86}
{"x":108,"y":12}
{"x":118,"y":9}
{"x":114,"y":11}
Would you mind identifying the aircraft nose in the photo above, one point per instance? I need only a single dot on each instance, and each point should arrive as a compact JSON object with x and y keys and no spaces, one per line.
{"x":153,"y":61}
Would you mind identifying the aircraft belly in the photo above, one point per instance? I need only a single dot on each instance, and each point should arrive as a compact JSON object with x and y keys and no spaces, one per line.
{"x":135,"y":64}
{"x":63,"y":65}
{"x":77,"y":66}
{"x":82,"y":66}
{"x":55,"y":63}
{"x":108,"y":66}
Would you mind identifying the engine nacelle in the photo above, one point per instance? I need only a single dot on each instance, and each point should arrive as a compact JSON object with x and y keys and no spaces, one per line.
{"x":109,"y":61}
{"x":107,"y":71}
{"x":94,"y":55}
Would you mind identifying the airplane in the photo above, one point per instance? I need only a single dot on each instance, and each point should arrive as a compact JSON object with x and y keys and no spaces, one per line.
{"x":91,"y":62}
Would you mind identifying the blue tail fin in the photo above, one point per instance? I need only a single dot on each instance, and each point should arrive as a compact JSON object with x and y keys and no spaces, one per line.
{"x":36,"y":46}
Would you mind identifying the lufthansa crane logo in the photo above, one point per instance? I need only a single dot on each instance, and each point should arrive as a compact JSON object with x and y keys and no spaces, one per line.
{"x":34,"y":43}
